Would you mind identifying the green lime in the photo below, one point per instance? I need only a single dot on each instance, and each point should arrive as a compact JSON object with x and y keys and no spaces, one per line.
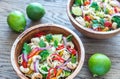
{"x":99,"y":64}
{"x":35,"y":11}
{"x":16,"y":21}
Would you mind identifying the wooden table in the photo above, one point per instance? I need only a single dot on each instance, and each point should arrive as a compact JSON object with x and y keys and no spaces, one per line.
{"x":55,"y":13}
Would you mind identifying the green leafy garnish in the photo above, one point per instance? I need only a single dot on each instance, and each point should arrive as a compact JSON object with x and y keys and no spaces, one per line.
{"x":55,"y":43}
{"x":95,"y":21}
{"x":69,"y":38}
{"x":42,"y":43}
{"x":79,"y":2}
{"x":73,"y":59}
{"x":49,"y":37}
{"x":44,"y":54}
{"x":44,"y":76}
{"x":44,"y":69}
{"x":117,"y":20}
{"x":26,"y":48}
{"x":95,"y":5}
{"x":102,"y":21}
{"x":67,"y":73}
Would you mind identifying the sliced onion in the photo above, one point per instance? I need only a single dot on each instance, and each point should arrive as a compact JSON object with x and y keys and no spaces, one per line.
{"x":44,"y":48}
{"x":36,"y":64}
{"x":24,"y":57}
{"x":116,"y":14}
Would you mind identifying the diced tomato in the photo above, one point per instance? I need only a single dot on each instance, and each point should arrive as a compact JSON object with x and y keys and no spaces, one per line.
{"x":87,"y":18}
{"x":108,"y":24}
{"x":116,"y":9}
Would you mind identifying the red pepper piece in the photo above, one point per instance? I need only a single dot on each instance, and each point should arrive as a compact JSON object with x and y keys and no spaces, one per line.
{"x":57,"y":57}
{"x":108,"y":24}
{"x":87,"y":18}
{"x":73,"y":51}
{"x":60,"y":47}
{"x":24,"y":64}
{"x":51,"y":74}
{"x":33,"y":52}
{"x":39,"y":34}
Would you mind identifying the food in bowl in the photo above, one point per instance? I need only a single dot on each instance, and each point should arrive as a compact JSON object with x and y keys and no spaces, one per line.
{"x":48,"y":56}
{"x":98,"y":15}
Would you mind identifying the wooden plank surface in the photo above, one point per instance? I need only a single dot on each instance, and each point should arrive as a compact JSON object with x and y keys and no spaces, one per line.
{"x":55,"y":13}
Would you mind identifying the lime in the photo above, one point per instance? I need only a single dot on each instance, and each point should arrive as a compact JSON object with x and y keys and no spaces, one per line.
{"x":16,"y":20}
{"x":76,"y":10}
{"x":99,"y":64}
{"x":35,"y":11}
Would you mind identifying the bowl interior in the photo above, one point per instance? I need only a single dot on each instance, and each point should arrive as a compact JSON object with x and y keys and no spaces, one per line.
{"x":54,"y":29}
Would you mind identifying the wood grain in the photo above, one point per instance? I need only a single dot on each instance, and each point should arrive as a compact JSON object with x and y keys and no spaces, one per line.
{"x":55,"y":13}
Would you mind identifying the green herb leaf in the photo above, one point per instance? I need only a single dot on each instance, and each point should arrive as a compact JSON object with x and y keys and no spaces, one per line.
{"x":44,"y":69}
{"x":42,"y":43}
{"x":95,"y":5}
{"x":67,"y":73}
{"x":69,"y":38}
{"x":55,"y":43}
{"x":44,"y":54}
{"x":102,"y":21}
{"x":26,"y":48}
{"x":49,"y":37}
{"x":73,"y":59}
{"x":117,"y":20}
{"x":79,"y":2}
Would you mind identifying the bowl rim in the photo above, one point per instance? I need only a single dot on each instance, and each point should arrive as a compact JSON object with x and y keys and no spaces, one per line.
{"x":13,"y":62}
{"x":84,"y":28}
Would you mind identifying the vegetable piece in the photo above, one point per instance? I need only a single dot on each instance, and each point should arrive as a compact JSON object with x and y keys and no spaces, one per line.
{"x":87,"y":2}
{"x":87,"y":18}
{"x":57,"y":37}
{"x":69,"y":38}
{"x":116,"y":9}
{"x":39,"y":34}
{"x":76,"y":10}
{"x":95,"y":21}
{"x":108,"y":24}
{"x":67,"y":73}
{"x":57,"y":57}
{"x":55,"y":43}
{"x":106,"y":10}
{"x":60,"y":47}
{"x":51,"y":73}
{"x":42,"y":43}
{"x":44,"y":68}
{"x":79,"y":2}
{"x":35,"y":51}
{"x":49,"y":37}
{"x":95,"y":5}
{"x":117,"y":20}
{"x":26,"y":48}
{"x":73,"y":59}
{"x":36,"y":64}
{"x":102,"y":21}
{"x":59,"y":72}
{"x":44,"y":54}
{"x":24,"y":64}
{"x":72,"y":51}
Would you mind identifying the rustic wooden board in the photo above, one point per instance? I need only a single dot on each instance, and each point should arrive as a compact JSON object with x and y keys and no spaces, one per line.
{"x":55,"y":13}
